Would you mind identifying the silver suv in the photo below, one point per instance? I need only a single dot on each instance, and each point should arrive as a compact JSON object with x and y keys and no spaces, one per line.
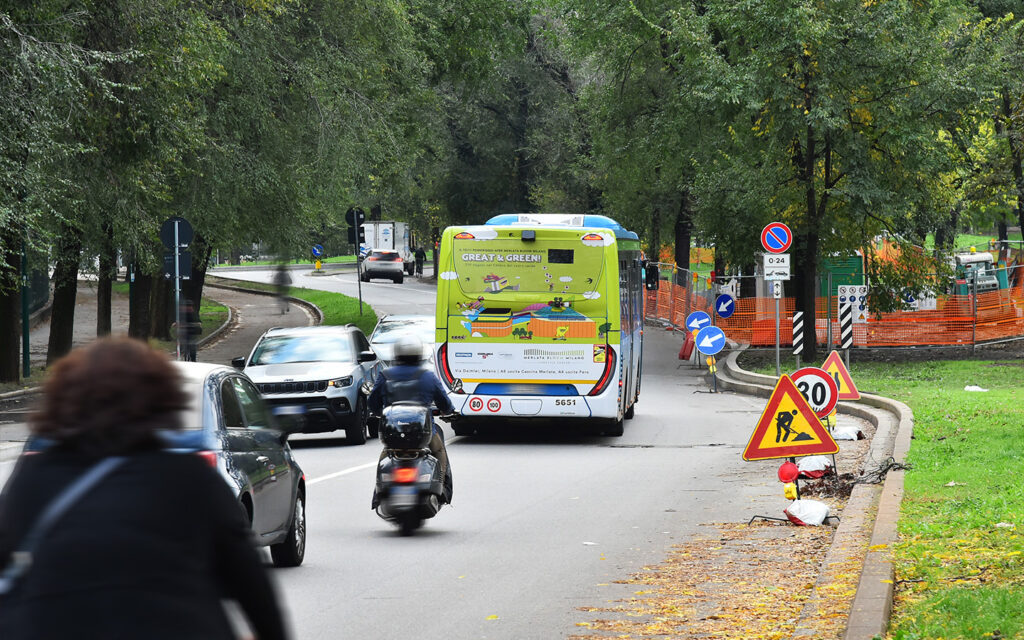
{"x":323,"y":373}
{"x":383,"y":263}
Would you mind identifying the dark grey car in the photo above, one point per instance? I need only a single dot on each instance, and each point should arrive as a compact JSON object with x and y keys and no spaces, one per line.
{"x":230,"y":426}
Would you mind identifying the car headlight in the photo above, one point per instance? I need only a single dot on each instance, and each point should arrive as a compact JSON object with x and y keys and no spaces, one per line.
{"x":341,"y":382}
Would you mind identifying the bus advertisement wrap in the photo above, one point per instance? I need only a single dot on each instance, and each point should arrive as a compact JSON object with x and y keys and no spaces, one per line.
{"x":532,"y":313}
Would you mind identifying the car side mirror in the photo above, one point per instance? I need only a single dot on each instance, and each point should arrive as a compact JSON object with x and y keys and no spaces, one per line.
{"x":367,"y":356}
{"x":651,"y":276}
{"x":238,"y":363}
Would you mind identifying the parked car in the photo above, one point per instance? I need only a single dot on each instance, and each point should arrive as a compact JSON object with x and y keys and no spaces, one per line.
{"x":231,"y":428}
{"x":383,"y":263}
{"x":390,"y":328}
{"x":323,"y":373}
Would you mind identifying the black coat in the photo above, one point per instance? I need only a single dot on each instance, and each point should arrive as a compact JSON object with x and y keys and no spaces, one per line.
{"x":148,"y":553}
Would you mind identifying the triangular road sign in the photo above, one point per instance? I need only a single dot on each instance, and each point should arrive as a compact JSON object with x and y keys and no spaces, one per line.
{"x":788,"y":427}
{"x":835,"y":368}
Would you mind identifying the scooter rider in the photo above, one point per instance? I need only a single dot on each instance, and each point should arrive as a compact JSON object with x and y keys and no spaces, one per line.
{"x":408,"y":381}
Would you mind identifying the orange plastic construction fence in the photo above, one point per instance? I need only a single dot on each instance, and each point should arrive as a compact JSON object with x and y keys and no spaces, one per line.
{"x":955,"y":320}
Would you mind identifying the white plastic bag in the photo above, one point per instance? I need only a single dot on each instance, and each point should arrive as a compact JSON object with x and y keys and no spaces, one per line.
{"x":806,"y":512}
{"x":814,"y":466}
{"x":847,"y":433}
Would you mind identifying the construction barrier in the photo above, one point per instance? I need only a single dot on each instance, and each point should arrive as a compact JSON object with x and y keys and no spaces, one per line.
{"x":957,"y":320}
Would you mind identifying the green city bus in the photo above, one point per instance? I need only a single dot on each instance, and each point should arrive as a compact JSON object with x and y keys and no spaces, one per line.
{"x":541,"y":316}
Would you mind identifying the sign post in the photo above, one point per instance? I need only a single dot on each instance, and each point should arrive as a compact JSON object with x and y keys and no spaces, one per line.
{"x":176,"y":233}
{"x":776,"y":238}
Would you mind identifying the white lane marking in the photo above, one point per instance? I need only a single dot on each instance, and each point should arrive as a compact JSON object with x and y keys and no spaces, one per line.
{"x":345,"y":472}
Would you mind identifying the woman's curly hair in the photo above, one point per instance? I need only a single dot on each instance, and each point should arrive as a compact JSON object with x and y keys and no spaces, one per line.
{"x":110,"y":397}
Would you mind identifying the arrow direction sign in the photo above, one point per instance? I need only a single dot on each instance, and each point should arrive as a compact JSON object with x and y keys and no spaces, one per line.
{"x":725,"y":305}
{"x":710,"y":340}
{"x":696,"y":320}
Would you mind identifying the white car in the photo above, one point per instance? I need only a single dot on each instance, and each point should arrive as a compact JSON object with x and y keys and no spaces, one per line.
{"x":323,"y":373}
{"x":390,"y":328}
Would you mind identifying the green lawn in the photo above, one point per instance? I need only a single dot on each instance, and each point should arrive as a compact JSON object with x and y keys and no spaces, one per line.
{"x":959,"y":568}
{"x":337,"y":308}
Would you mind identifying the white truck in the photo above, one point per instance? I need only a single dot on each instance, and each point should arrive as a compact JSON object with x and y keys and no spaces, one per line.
{"x":389,"y":235}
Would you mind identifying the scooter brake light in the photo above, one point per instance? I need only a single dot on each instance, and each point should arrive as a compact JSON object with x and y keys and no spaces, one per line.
{"x":405,"y":475}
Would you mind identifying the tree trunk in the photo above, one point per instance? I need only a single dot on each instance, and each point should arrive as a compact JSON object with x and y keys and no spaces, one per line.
{"x":1015,"y":137}
{"x":139,"y":319}
{"x":104,"y":285}
{"x":193,"y":288}
{"x":807,"y":250}
{"x":161,"y":307}
{"x":684,"y":235}
{"x":65,"y":290}
{"x":10,"y":307}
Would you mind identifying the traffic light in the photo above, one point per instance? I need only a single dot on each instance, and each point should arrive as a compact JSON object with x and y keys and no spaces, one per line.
{"x":355,"y":218}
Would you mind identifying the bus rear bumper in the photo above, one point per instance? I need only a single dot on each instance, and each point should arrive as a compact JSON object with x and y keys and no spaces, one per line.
{"x":483,"y":406}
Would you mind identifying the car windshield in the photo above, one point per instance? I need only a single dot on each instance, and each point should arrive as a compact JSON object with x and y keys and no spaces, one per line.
{"x":309,"y":348}
{"x":389,"y":331}
{"x":380,"y":255}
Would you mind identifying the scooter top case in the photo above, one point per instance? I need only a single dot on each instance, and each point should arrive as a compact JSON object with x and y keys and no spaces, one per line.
{"x":409,"y":484}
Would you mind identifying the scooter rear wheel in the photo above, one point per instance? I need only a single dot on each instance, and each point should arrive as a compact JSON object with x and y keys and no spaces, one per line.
{"x":408,"y":524}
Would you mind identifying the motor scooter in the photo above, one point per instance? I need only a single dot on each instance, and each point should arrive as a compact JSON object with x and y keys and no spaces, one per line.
{"x":410,"y":481}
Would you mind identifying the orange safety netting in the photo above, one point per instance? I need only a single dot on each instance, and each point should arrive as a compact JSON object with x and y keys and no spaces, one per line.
{"x":956,"y":319}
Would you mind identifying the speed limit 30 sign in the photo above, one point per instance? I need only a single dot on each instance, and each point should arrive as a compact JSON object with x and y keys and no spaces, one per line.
{"x":819,"y":388}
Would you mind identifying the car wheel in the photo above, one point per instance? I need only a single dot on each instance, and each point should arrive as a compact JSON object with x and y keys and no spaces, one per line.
{"x":356,"y":432}
{"x":364,"y":278}
{"x":291,"y":551}
{"x":399,"y":279}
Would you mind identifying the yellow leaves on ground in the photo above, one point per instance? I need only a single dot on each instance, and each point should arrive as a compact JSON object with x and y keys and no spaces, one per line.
{"x":738,"y":581}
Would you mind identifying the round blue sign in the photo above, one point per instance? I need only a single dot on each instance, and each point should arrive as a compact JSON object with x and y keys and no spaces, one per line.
{"x":697,"y":320}
{"x":710,"y":340}
{"x":318,"y":250}
{"x":725,"y":305}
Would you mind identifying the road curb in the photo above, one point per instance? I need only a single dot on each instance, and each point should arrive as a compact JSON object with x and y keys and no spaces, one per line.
{"x":219,"y":330}
{"x":318,"y":314}
{"x":872,"y":604}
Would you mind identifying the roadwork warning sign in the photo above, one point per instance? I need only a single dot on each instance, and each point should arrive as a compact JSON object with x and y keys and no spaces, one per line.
{"x":788,"y":427}
{"x":834,"y":366}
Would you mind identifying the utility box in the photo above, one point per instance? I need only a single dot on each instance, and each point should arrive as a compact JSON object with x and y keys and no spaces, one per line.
{"x":845,"y":271}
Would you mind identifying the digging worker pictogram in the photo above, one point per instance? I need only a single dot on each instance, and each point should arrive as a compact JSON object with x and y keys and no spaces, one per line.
{"x":784,"y":423}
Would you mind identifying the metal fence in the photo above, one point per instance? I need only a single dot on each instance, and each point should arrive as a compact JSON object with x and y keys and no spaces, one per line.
{"x":942,"y":320}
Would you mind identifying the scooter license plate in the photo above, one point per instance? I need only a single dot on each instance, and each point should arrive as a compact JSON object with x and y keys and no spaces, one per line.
{"x":403,"y":496}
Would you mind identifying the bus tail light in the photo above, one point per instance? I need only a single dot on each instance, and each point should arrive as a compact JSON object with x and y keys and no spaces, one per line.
{"x":446,"y":371}
{"x":606,"y":375}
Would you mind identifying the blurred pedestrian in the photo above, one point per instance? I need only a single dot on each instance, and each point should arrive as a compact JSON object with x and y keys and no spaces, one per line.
{"x":192,"y":329}
{"x":149,"y":549}
{"x":421,"y":257}
{"x":282,"y":281}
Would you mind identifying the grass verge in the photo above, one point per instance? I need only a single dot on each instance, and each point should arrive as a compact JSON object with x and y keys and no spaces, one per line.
{"x":337,"y":308}
{"x":958,"y":563}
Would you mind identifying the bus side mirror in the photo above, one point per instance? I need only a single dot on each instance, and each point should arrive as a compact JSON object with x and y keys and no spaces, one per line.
{"x":650,"y":275}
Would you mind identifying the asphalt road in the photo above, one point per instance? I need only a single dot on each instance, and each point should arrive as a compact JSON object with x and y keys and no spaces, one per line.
{"x":412,"y":296}
{"x":542,"y":523}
